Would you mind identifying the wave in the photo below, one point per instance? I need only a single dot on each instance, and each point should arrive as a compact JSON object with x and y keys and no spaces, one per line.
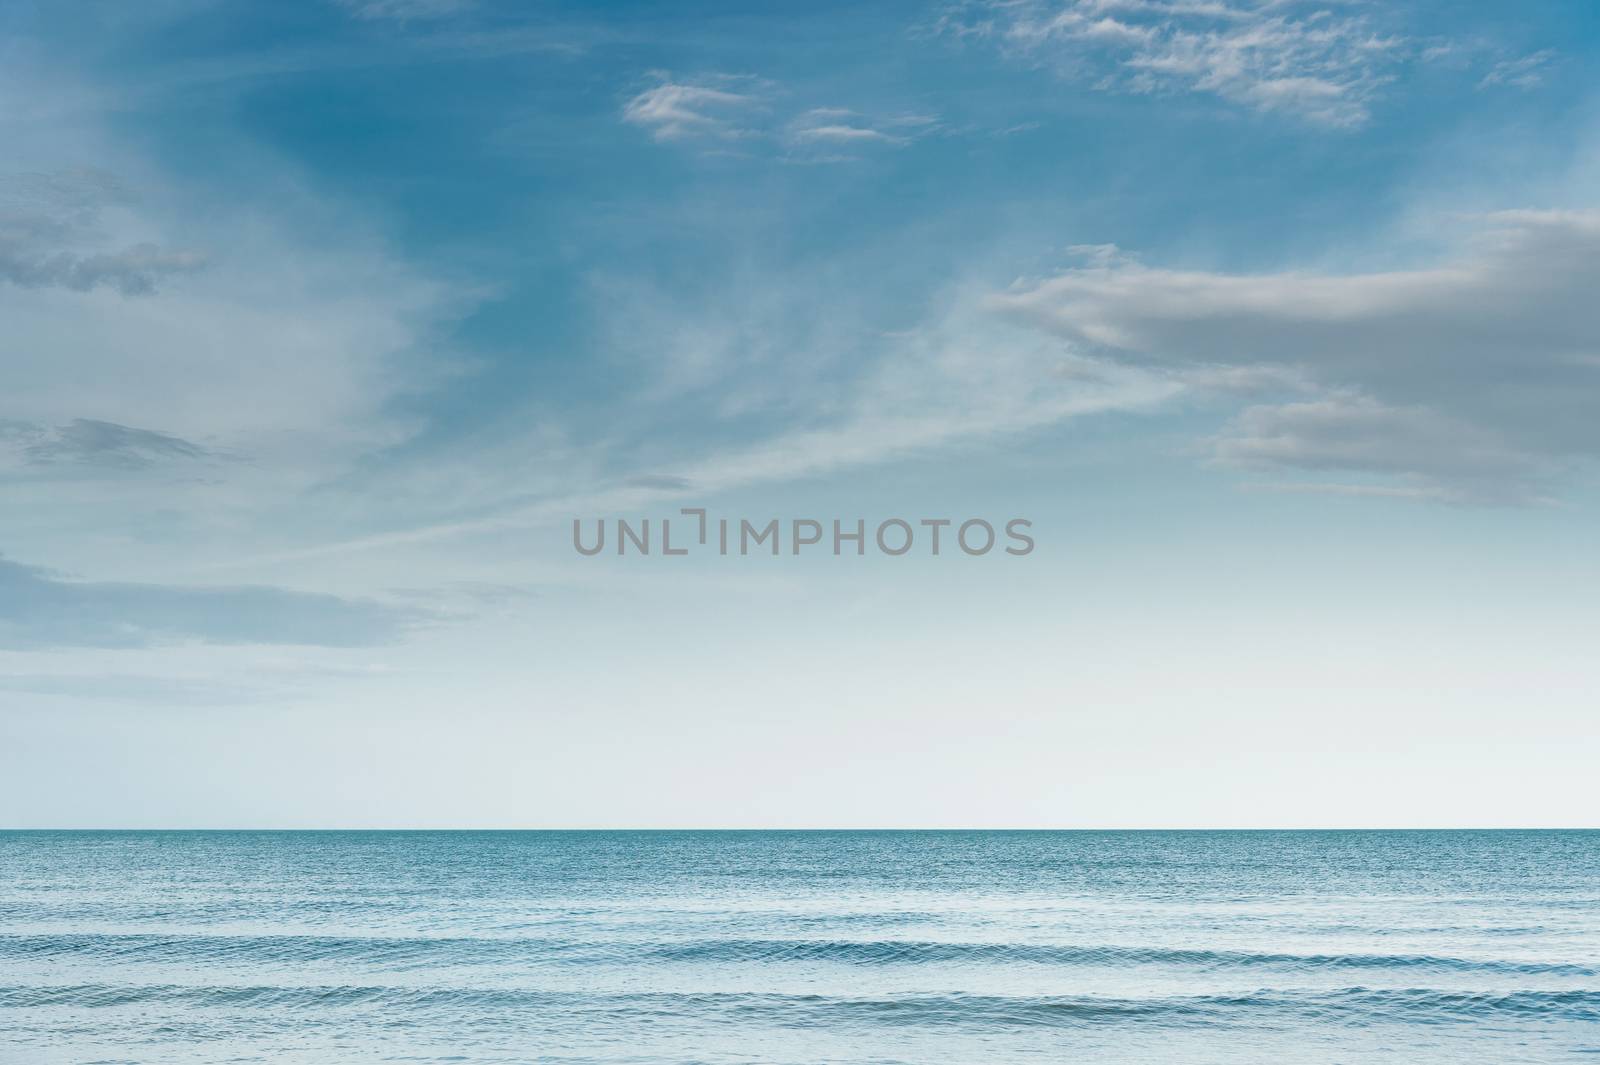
{"x":1352,"y":1005}
{"x":292,"y":949}
{"x":873,"y":952}
{"x":407,"y":951}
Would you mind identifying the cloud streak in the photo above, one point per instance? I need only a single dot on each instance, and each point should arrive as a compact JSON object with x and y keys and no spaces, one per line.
{"x":963,"y":378}
{"x":1522,"y":72}
{"x":837,"y":134}
{"x":87,"y":442}
{"x":42,"y":609}
{"x":404,"y":10}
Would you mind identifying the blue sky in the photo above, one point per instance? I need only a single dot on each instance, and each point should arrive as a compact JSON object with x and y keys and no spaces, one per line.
{"x":325,"y":320}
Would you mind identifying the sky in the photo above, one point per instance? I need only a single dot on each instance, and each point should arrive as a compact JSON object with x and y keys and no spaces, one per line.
{"x":321,"y":323}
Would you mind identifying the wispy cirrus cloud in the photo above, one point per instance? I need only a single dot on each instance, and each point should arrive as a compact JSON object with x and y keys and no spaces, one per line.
{"x":241,"y":678}
{"x":404,"y":10}
{"x":1475,"y":379}
{"x":725,"y":107}
{"x":1314,"y":62}
{"x":720,"y":107}
{"x":1520,"y":72}
{"x":841,"y":134}
{"x":962,"y":378}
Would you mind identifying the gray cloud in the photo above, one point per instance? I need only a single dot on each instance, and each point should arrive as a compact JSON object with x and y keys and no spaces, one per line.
{"x":43,"y":609}
{"x":1479,"y":377}
{"x":133,"y":271}
{"x":1440,"y":457}
{"x":88,"y":442}
{"x":48,"y":224}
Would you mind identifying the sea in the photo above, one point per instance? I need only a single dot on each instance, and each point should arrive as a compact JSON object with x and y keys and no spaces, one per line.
{"x":863,"y":947}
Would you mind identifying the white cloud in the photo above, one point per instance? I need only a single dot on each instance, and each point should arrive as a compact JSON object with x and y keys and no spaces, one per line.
{"x":1315,"y":63}
{"x":836,"y":134}
{"x":727,"y":107}
{"x":841,"y":133}
{"x":1478,"y":376}
{"x":1522,"y":72}
{"x":675,"y":111}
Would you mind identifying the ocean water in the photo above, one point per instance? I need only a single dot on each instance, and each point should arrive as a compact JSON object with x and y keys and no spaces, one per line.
{"x":972,"y":947}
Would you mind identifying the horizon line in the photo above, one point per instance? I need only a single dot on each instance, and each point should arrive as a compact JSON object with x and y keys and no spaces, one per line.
{"x":797,"y":831}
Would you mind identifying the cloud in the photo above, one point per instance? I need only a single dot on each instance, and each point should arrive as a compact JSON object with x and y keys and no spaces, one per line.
{"x":404,"y":10}
{"x":177,"y":675}
{"x":46,"y":222}
{"x":137,"y":688}
{"x":1442,"y":457}
{"x":665,"y":482}
{"x":1523,"y":72}
{"x":42,"y":609}
{"x":87,"y":442}
{"x":1477,"y":377}
{"x":728,"y":107}
{"x":294,"y":345}
{"x":840,"y":133}
{"x":290,"y":349}
{"x":1334,"y":488}
{"x":836,"y":134}
{"x":133,"y":271}
{"x":675,"y":111}
{"x":1305,"y":60}
{"x":962,"y":378}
